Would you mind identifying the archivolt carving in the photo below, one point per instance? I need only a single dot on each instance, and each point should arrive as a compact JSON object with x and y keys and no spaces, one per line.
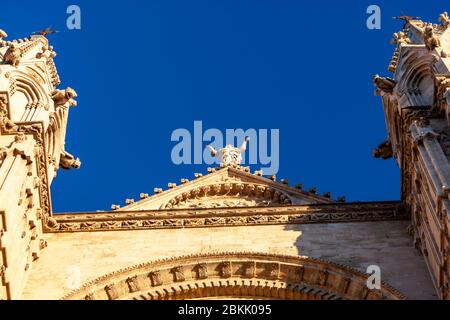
{"x":417,"y":82}
{"x":31,"y":89}
{"x":244,"y":275}
{"x":228,"y":194}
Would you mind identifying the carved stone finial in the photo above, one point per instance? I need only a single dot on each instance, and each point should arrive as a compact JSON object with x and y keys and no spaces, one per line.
{"x":230,"y":155}
{"x":313,"y":190}
{"x":3,"y":34}
{"x":6,"y":123}
{"x":327,"y":195}
{"x":47,"y":53}
{"x":384,"y":84}
{"x":171,"y":185}
{"x":444,"y":19}
{"x":52,"y":223}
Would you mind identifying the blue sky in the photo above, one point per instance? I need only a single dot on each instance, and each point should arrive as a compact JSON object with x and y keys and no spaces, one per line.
{"x":145,"y":68}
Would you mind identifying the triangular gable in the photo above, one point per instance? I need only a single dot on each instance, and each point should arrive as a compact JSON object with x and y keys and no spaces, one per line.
{"x":230,"y":186}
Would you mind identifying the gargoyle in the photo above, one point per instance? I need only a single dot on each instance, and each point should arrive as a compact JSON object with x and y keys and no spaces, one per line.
{"x":430,"y":39}
{"x":13,"y":55}
{"x":64,"y":97}
{"x":68,"y":161}
{"x":384,"y":84}
{"x":47,"y":52}
{"x":384,"y":150}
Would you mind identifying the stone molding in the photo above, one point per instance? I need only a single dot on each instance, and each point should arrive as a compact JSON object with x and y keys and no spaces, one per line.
{"x":246,"y":192}
{"x":221,"y":217}
{"x":234,"y":274}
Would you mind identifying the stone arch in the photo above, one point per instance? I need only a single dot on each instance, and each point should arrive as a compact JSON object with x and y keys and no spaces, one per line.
{"x":219,"y":193}
{"x":234,"y":275}
{"x":417,"y":83}
{"x":33,"y":93}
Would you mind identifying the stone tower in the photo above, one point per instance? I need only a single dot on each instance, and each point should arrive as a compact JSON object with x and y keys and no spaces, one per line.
{"x":33,"y":119}
{"x":416,"y":102}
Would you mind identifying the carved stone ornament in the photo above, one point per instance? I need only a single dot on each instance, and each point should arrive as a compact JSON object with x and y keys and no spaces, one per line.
{"x":386,"y":84}
{"x":400,"y":38}
{"x":13,"y":55}
{"x":225,"y":269}
{"x":384,"y":150}
{"x":443,"y":86}
{"x":430,"y":39}
{"x":230,"y":155}
{"x":3,"y":34}
{"x":257,"y":275}
{"x":156,"y":279}
{"x":421,"y":129}
{"x":178,"y":274}
{"x":64,"y":97}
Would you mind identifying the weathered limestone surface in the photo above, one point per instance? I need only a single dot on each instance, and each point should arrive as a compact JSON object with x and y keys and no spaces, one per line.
{"x":357,"y":245}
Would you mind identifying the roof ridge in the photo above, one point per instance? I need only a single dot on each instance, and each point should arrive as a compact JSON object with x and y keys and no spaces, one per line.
{"x":244,"y":171}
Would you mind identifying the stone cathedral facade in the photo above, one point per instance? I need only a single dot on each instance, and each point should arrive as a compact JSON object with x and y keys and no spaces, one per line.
{"x":230,"y":232}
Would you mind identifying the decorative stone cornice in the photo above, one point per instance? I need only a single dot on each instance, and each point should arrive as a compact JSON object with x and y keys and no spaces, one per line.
{"x":220,"y":217}
{"x":234,"y":274}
